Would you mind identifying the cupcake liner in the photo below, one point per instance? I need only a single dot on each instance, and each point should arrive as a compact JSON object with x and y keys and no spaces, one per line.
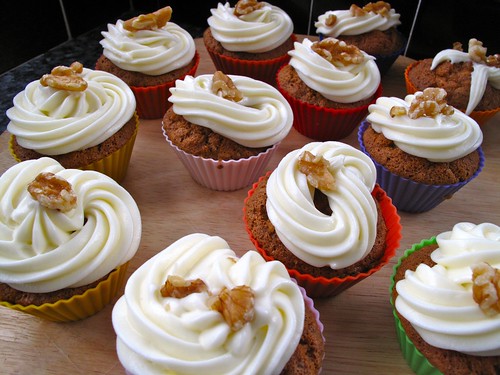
{"x":224,"y":175}
{"x":415,"y":359}
{"x":79,"y":306}
{"x":329,"y":287}
{"x":411,"y":196}
{"x":481,"y":117}
{"x":326,"y":124}
{"x":152,"y":101}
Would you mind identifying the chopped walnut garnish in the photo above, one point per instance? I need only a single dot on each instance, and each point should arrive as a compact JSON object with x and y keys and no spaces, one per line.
{"x":223,"y":86}
{"x":178,"y":287}
{"x":316,"y":170}
{"x":330,"y":20}
{"x":477,"y":52}
{"x":380,"y":7}
{"x":243,"y":7}
{"x":65,"y":78}
{"x":397,"y":111}
{"x":458,"y":46}
{"x":486,"y":288}
{"x":53,"y":192}
{"x":149,"y":21}
{"x":429,"y":103}
{"x":235,"y":305}
{"x":334,"y":50}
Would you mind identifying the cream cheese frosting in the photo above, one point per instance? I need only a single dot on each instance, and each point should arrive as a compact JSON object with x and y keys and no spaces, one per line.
{"x":262,"y":118}
{"x":438,"y":300}
{"x":54,"y":122}
{"x":152,"y":52}
{"x":481,"y":74}
{"x":262,"y":30}
{"x":158,"y":334}
{"x":348,"y":24}
{"x":442,"y":138}
{"x":337,"y":240}
{"x":336,"y":82}
{"x":44,"y":250}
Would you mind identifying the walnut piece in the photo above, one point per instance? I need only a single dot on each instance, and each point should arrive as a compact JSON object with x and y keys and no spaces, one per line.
{"x":477,"y":52}
{"x":429,"y":103}
{"x":53,"y":192}
{"x":380,"y":7}
{"x":486,"y":288}
{"x":243,"y":7}
{"x":149,"y":21}
{"x":178,"y":287}
{"x":223,"y":86}
{"x":316,"y":170}
{"x":331,"y":20}
{"x":334,"y":50}
{"x":65,"y":78}
{"x":236,"y":306}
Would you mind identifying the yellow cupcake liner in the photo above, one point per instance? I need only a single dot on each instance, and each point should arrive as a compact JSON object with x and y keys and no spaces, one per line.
{"x":80,"y":306}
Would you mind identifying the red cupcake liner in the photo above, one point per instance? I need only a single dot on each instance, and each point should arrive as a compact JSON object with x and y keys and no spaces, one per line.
{"x":329,"y":287}
{"x":326,"y":124}
{"x":152,"y":101}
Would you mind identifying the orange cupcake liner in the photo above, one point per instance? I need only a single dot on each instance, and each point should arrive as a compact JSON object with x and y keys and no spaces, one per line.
{"x":80,"y":306}
{"x":152,"y":101}
{"x":328,"y":287}
{"x":481,"y":117}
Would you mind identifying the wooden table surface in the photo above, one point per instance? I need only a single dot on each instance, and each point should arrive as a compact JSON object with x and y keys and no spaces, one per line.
{"x":359,"y":328}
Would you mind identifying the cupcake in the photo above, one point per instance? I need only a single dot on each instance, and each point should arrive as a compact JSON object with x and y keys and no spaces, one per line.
{"x":66,"y":238}
{"x":445,"y":301}
{"x":252,"y":39}
{"x":196,"y":307}
{"x":329,"y":85}
{"x":322,"y":215}
{"x":225,"y":129}
{"x":372,"y":28}
{"x":471,"y":79}
{"x":424,"y":149}
{"x":82,"y":118}
{"x":149,"y":53}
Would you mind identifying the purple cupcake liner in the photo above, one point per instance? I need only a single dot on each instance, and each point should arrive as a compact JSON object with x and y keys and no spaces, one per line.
{"x":411,"y":196}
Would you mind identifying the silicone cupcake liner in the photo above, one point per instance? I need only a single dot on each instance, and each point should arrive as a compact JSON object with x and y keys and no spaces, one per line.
{"x":114,"y":165}
{"x":411,"y":196}
{"x":481,"y":117}
{"x":152,"y":101}
{"x":415,"y":359}
{"x":79,"y":306}
{"x":224,"y":175}
{"x":326,"y":124}
{"x":329,"y":287}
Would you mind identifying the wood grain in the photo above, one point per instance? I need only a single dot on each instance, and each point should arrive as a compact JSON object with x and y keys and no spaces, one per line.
{"x":359,"y":328}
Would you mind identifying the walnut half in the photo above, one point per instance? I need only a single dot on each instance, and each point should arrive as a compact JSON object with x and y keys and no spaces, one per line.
{"x":316,"y":170}
{"x":334,"y":50}
{"x":178,"y":287}
{"x":486,"y":288}
{"x":53,"y":192}
{"x":243,"y":7}
{"x":429,"y":103}
{"x":236,"y":306}
{"x":65,"y":78}
{"x":380,"y":7}
{"x":149,"y":21}
{"x":223,"y":86}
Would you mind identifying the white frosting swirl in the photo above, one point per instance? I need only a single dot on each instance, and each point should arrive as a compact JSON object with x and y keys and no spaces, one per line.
{"x":262,"y":118}
{"x":336,"y":82}
{"x":55,"y":122}
{"x":43,"y":250}
{"x":158,"y":334}
{"x":481,"y":74}
{"x":438,"y":300}
{"x":348,"y":234}
{"x":348,"y":24}
{"x":152,"y":52}
{"x":439,"y":139}
{"x":259,"y":31}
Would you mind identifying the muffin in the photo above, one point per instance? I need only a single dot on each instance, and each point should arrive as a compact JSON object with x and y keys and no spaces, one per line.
{"x":66,"y":237}
{"x":372,"y":28}
{"x":422,"y":156}
{"x":196,"y":307}
{"x":80,"y":117}
{"x":443,"y":296}
{"x":329,"y":85}
{"x":252,"y":39}
{"x":225,"y":128}
{"x":471,"y":79}
{"x":149,"y":53}
{"x":322,"y":215}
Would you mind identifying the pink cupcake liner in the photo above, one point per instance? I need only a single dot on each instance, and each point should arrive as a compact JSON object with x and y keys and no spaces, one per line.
{"x":224,"y":175}
{"x":152,"y":101}
{"x":411,"y":196}
{"x":326,"y":124}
